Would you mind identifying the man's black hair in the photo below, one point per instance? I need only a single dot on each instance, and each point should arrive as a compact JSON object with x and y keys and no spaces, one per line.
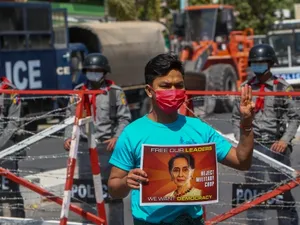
{"x":189,"y":158}
{"x":161,"y":65}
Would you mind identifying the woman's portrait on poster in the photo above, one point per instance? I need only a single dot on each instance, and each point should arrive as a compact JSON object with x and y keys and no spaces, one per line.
{"x":181,"y":169}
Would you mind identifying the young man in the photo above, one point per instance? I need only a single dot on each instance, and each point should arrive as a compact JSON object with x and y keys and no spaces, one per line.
{"x":112,"y":114}
{"x":270,"y":131}
{"x":164,"y":126}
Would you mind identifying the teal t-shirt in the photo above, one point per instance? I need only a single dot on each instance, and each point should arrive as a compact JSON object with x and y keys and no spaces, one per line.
{"x":185,"y":130}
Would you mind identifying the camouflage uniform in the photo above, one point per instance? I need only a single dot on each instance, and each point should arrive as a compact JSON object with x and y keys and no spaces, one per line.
{"x":10,"y":109}
{"x":270,"y":125}
{"x":105,"y":129}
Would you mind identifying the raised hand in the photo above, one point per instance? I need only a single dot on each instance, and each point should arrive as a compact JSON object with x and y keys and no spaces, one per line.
{"x":246,"y":105}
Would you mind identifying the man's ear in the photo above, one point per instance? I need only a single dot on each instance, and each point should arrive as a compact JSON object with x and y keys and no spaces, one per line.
{"x":148,"y":90}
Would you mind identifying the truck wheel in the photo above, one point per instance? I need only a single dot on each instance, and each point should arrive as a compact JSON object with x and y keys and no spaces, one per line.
{"x":223,"y":77}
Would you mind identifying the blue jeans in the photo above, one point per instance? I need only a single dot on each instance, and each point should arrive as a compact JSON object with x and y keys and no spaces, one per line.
{"x":180,"y":220}
{"x":287,"y":215}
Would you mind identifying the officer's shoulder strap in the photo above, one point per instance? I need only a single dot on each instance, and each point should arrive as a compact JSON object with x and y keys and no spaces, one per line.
{"x":283,"y":85}
{"x":244,"y":83}
{"x":248,"y":81}
{"x":73,"y":98}
{"x":79,"y":86}
{"x":6,"y":84}
{"x":114,"y":86}
{"x":113,"y":102}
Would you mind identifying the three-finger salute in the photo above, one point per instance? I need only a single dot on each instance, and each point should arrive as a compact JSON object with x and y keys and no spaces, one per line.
{"x":246,"y":105}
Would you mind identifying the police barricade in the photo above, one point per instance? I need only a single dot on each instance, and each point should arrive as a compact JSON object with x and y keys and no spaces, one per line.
{"x":45,"y":160}
{"x":35,"y":184}
{"x":268,"y":192}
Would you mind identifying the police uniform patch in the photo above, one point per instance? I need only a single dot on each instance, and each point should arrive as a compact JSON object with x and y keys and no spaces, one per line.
{"x":15,"y":99}
{"x":123,"y":98}
{"x":72,"y":99}
{"x":289,"y":89}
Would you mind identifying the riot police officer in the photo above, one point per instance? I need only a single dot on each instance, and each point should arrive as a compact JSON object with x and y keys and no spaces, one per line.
{"x":272,"y":136}
{"x":112,"y":114}
{"x":10,"y":109}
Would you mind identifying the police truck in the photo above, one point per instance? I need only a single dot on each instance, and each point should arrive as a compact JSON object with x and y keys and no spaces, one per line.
{"x":39,"y":50}
{"x":284,"y":37}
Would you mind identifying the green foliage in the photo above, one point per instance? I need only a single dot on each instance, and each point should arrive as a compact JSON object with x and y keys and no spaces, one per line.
{"x":91,"y":2}
{"x":150,"y":10}
{"x":199,"y":2}
{"x":258,"y":14}
{"x":173,"y":4}
{"x":122,"y":9}
{"x":130,"y":10}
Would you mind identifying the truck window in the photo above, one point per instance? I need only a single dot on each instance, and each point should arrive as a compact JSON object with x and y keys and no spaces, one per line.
{"x":41,"y":38}
{"x":25,"y":28}
{"x":11,"y":19}
{"x":224,"y":25}
{"x":202,"y":24}
{"x":11,"y":26}
{"x":297,"y":39}
{"x":59,"y":28}
{"x":40,"y":24}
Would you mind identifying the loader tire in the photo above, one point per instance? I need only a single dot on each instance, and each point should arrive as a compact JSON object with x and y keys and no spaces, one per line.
{"x":198,"y":82}
{"x":223,"y":77}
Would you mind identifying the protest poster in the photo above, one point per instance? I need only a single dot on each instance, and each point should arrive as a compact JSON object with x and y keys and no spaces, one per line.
{"x":179,"y":175}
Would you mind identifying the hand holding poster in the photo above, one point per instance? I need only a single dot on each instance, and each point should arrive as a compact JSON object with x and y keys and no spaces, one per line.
{"x":179,"y":175}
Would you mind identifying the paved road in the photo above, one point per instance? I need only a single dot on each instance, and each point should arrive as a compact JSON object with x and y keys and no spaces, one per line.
{"x":48,"y":170}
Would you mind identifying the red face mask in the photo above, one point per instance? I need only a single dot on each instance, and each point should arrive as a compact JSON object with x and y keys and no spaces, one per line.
{"x":170,"y":100}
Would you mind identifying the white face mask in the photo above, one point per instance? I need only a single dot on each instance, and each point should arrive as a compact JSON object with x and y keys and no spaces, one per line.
{"x":94,"y":76}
